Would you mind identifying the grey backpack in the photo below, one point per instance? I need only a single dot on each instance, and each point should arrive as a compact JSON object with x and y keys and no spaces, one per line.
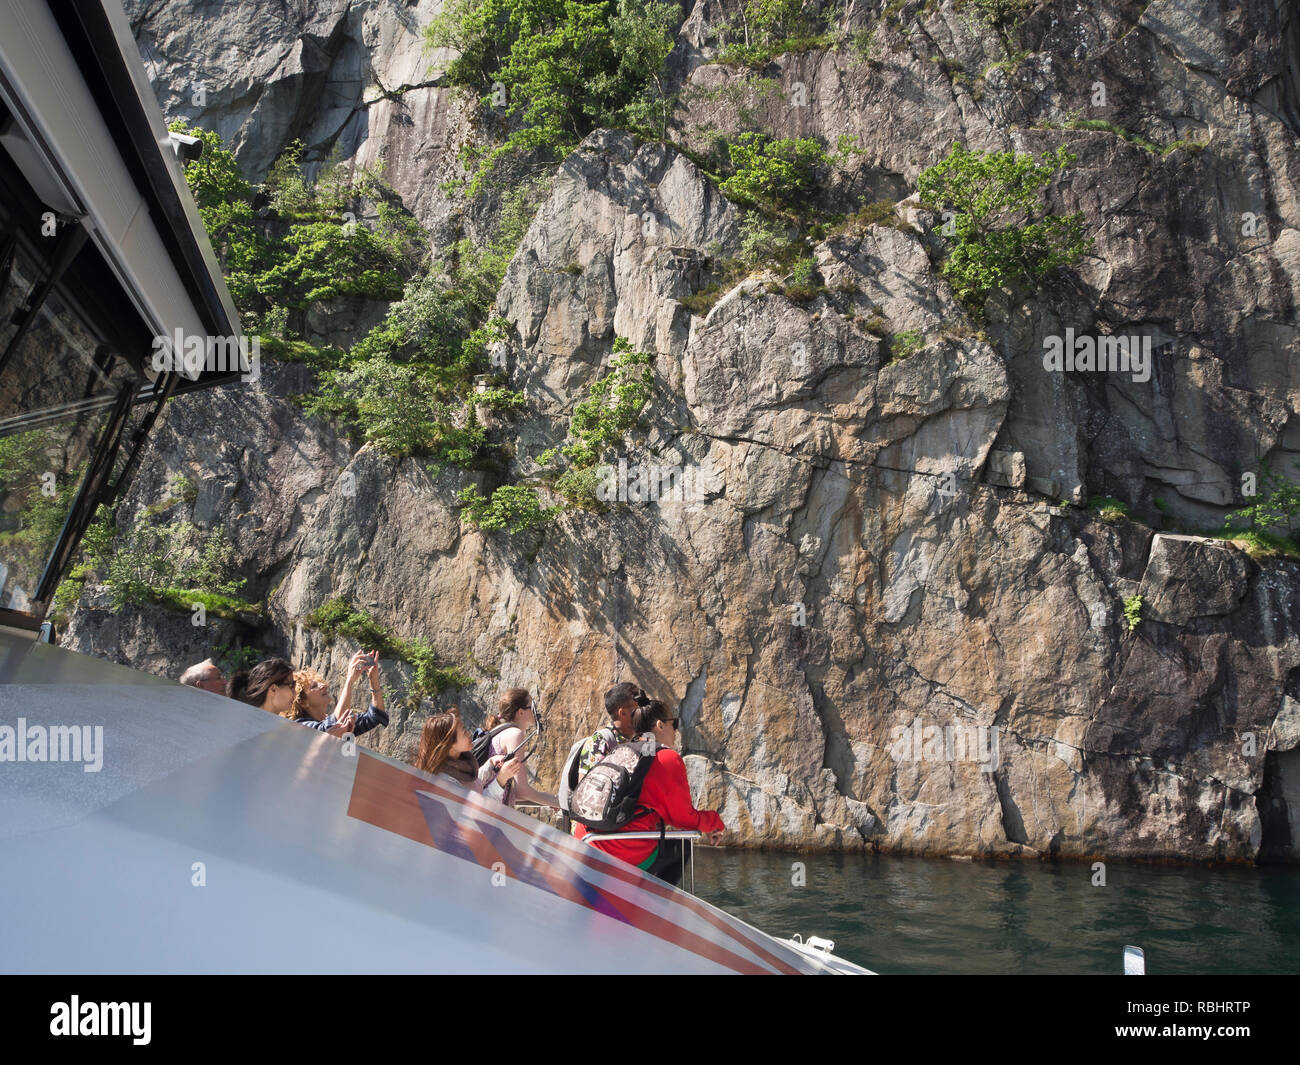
{"x":572,"y":763}
{"x":609,"y":796}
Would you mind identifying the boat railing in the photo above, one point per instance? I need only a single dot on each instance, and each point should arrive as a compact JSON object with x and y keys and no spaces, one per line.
{"x":687,"y":836}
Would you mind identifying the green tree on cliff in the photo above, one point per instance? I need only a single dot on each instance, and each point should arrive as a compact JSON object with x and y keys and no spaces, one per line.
{"x":779,"y":174}
{"x":225,"y":202}
{"x":1274,"y":509}
{"x":325,"y":251}
{"x":999,"y":232}
{"x":554,"y":70}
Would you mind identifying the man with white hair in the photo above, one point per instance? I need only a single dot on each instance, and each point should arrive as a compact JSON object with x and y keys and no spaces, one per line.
{"x":206,"y":676}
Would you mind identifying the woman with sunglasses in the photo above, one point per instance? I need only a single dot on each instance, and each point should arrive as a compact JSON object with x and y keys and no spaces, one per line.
{"x":666,"y":794}
{"x":516,"y":713}
{"x":268,"y":685}
{"x":311,"y":704}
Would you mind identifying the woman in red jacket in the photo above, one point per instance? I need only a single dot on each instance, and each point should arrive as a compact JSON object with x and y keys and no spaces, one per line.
{"x":667,"y":796}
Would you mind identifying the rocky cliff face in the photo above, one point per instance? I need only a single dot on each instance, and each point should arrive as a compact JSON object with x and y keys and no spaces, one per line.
{"x":882,"y":626}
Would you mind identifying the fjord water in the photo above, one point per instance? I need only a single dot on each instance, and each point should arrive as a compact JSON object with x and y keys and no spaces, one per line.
{"x":921,"y":915}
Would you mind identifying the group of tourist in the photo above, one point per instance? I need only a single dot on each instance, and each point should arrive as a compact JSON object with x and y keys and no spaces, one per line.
{"x":300,"y":695}
{"x":491,"y":762}
{"x":447,"y":747}
{"x":665,"y":798}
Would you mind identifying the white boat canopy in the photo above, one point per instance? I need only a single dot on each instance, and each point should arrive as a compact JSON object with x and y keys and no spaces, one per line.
{"x":101,"y":251}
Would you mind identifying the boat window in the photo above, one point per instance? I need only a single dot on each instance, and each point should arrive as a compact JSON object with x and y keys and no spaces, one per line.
{"x":59,"y":364}
{"x":61,"y":383}
{"x":92,"y":274}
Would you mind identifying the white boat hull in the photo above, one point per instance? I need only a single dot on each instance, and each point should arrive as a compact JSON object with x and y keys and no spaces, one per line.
{"x":218,"y":838}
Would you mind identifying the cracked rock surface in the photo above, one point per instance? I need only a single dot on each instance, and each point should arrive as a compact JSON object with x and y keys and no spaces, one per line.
{"x":880,"y":627}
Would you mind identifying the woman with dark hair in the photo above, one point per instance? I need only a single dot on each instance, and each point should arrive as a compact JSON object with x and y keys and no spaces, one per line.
{"x":666,"y":795}
{"x":446,"y":747}
{"x":267,"y":686}
{"x":312,"y":699}
{"x":515,"y":714}
{"x":509,"y":703}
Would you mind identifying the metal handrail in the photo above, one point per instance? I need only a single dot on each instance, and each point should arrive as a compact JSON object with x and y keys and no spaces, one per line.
{"x":688,"y":836}
{"x":672,"y":833}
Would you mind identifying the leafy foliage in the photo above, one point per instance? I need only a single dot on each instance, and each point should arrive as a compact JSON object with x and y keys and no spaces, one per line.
{"x":32,"y":516}
{"x":775,"y":19}
{"x":513,"y":506}
{"x":905,"y":343}
{"x":310,"y":243}
{"x":214,"y":603}
{"x":863,"y":44}
{"x":1133,"y":612}
{"x":233,"y":657}
{"x":764,"y":245}
{"x":1276,"y":505}
{"x":151,"y":562}
{"x":96,"y":545}
{"x":175,"y":565}
{"x":406,"y":387}
{"x":428,"y":677}
{"x":430,"y":346}
{"x":777,"y":179}
{"x":804,"y":283}
{"x":760,"y":30}
{"x":338,"y":617}
{"x":614,"y":404}
{"x":324,"y":259}
{"x":877,"y":213}
{"x":1000,"y":234}
{"x":876,"y":325}
{"x":1001,"y":12}
{"x":1100,"y":125}
{"x":1108,"y":509}
{"x":225,"y":202}
{"x":557,"y":69}
{"x":1261,"y":545}
{"x":778,"y":174}
{"x":642,"y":37}
{"x":185,"y":488}
{"x":578,"y":484}
{"x":22,"y":457}
{"x":367,"y":394}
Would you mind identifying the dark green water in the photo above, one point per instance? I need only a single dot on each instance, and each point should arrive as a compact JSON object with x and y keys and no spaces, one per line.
{"x":918,"y":915}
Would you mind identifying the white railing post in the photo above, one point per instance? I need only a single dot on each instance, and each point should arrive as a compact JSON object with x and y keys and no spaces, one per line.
{"x":688,"y":837}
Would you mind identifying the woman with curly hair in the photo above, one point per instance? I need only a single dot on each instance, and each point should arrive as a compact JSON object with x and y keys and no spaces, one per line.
{"x":312,"y":699}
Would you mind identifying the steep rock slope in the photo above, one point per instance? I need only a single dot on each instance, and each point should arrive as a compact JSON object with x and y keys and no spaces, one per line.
{"x":880,"y":629}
